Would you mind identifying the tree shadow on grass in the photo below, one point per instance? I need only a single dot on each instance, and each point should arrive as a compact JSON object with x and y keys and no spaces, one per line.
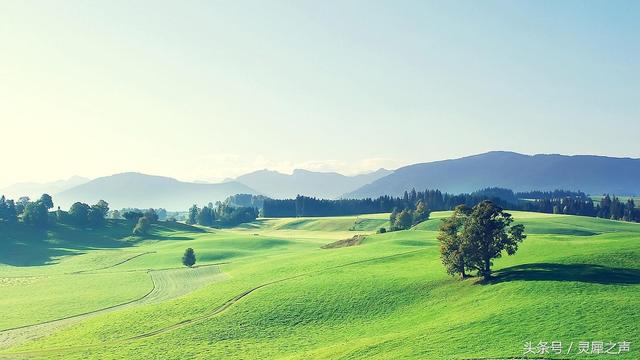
{"x":588,"y":273}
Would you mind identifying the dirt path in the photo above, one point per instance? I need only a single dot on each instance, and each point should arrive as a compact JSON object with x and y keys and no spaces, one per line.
{"x":114,"y":265}
{"x":167,"y":284}
{"x":195,"y":320}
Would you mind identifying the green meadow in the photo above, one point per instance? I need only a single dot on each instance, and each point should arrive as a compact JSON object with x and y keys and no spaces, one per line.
{"x":268,"y":290}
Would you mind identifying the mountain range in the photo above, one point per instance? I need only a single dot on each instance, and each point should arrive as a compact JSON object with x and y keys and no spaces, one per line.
{"x":589,"y":173}
{"x":325,"y":185}
{"x":144,"y":191}
{"x":33,"y":190}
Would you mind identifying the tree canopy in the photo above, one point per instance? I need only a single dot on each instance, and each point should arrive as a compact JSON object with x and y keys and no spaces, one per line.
{"x":471,"y":238}
{"x":36,"y":214}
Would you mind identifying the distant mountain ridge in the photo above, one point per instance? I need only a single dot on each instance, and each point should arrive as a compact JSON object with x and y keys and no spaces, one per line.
{"x":326,"y":185}
{"x":140,"y":190}
{"x":589,"y":173}
{"x":35,"y":190}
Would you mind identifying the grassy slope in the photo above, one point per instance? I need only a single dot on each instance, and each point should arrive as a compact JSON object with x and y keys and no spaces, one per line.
{"x":574,"y":279}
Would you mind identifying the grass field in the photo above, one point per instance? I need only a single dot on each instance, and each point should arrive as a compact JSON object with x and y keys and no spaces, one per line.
{"x":271,"y":292}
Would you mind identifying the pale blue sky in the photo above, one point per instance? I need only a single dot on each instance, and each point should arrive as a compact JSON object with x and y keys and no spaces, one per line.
{"x":208,"y":90}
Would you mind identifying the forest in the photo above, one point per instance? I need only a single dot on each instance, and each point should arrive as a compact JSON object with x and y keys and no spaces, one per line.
{"x":552,"y":202}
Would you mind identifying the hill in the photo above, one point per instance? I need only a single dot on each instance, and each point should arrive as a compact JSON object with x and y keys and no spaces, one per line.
{"x":326,"y":185}
{"x":268,"y":290}
{"x":588,"y":173}
{"x":144,"y":191}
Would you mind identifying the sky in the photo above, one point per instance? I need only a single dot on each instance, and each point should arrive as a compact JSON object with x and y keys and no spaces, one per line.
{"x":207,"y":90}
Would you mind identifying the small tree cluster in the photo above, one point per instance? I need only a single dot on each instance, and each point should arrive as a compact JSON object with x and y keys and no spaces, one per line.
{"x":144,"y":221}
{"x":84,"y":215}
{"x":33,"y":213}
{"x":206,"y":216}
{"x":36,"y":213}
{"x":222,"y":214}
{"x":408,"y":217}
{"x":471,"y":238}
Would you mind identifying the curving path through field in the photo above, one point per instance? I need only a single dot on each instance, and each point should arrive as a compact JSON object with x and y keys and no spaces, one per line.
{"x":208,"y":315}
{"x":167,"y":284}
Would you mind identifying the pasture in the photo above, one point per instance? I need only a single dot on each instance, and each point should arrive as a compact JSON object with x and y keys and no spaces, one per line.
{"x":268,"y":290}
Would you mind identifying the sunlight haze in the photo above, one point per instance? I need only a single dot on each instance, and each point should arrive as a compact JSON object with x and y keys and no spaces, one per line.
{"x":200,"y":91}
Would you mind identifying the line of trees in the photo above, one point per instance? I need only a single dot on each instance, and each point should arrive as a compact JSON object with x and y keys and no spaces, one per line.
{"x":557,"y":201}
{"x":246,"y":200}
{"x":82,"y":214}
{"x":123,"y":213}
{"x":609,"y":207}
{"x":434,"y":200}
{"x":36,"y":214}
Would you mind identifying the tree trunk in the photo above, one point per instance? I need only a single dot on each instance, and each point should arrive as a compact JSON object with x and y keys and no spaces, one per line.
{"x":487,"y":269}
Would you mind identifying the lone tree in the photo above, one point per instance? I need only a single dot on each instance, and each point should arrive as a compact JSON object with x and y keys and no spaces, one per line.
{"x":471,"y":238}
{"x":189,"y":257}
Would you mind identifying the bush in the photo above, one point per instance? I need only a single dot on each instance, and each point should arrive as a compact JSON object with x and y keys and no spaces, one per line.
{"x":382,"y":230}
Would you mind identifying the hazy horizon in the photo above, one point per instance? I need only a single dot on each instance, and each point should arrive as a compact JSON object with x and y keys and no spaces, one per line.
{"x":286,"y":172}
{"x":213,"y":90}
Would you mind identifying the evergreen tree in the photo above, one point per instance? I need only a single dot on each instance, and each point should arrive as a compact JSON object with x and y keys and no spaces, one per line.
{"x":205,"y":216}
{"x":12,"y":213}
{"x":189,"y":257}
{"x":4,"y":211}
{"x":193,"y":215}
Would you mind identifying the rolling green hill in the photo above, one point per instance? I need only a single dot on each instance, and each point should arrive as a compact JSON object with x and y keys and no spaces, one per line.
{"x":272,"y":292}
